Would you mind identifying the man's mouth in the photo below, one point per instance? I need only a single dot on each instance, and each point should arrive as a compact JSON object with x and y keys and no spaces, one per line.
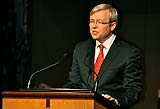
{"x":94,"y":32}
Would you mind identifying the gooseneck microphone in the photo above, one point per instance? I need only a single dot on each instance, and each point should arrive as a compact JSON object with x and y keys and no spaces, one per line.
{"x":95,"y":82}
{"x":91,"y":71}
{"x":52,"y":65}
{"x":96,"y":85}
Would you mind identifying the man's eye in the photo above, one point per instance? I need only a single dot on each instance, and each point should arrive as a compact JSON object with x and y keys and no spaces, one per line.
{"x":91,"y":21}
{"x":99,"y":22}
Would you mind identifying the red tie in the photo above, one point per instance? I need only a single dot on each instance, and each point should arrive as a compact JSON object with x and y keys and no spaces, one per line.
{"x":99,"y":61}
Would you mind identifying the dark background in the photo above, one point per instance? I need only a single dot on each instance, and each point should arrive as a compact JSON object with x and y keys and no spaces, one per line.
{"x":36,"y":33}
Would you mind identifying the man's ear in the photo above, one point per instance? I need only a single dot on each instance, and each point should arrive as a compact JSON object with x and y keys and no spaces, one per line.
{"x":113,"y":26}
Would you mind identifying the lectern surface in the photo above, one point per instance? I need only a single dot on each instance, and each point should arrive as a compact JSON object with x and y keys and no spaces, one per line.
{"x":58,"y":98}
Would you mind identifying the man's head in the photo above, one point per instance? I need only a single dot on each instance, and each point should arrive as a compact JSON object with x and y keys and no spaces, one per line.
{"x":103,"y":21}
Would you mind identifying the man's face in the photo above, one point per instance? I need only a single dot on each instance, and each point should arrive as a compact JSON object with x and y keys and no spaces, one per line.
{"x":100,"y":28}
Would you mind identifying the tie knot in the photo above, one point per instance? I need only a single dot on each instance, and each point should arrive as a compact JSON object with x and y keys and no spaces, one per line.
{"x":101,"y":46}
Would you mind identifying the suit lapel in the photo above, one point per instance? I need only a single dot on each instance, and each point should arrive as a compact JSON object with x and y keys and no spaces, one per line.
{"x":89,"y":59}
{"x":109,"y":58}
{"x":89,"y":62}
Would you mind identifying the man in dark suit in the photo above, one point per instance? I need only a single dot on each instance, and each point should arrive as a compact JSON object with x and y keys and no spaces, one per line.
{"x":119,"y":77}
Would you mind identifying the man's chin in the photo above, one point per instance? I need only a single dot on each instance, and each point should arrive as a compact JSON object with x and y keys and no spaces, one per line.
{"x":95,"y":37}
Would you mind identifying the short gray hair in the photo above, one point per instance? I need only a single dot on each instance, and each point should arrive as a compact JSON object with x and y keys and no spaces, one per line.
{"x":113,"y":16}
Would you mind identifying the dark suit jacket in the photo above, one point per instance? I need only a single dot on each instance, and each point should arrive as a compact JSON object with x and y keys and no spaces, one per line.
{"x":121,"y":73}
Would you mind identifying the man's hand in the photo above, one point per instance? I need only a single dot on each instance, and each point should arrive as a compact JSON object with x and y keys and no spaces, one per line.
{"x":110,"y":98}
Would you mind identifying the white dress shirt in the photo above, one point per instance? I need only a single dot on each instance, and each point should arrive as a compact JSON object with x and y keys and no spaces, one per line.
{"x":107,"y":44}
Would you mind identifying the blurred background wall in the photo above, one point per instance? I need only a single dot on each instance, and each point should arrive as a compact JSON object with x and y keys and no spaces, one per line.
{"x":35,"y":34}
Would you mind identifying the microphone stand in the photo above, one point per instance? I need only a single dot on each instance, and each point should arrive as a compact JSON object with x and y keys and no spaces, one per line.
{"x":54,"y":64}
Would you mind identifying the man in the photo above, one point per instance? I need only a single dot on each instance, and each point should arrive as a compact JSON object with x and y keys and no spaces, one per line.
{"x":117,"y":73}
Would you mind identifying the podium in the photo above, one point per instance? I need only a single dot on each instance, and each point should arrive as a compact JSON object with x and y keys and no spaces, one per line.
{"x":55,"y":100}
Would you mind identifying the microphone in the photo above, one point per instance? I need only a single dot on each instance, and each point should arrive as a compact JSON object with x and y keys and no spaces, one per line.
{"x":89,"y":75}
{"x":95,"y":82}
{"x":52,"y":65}
{"x":96,"y":85}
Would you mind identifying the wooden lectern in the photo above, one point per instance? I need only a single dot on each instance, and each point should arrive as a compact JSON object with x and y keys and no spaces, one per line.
{"x":55,"y":100}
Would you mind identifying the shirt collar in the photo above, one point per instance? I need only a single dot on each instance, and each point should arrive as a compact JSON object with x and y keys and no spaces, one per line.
{"x":107,"y":44}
